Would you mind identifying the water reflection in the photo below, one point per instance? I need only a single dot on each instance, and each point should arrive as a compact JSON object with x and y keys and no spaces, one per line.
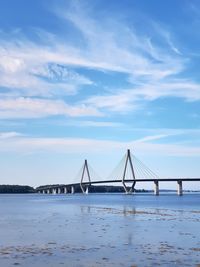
{"x":128,"y":211}
{"x":85,"y":209}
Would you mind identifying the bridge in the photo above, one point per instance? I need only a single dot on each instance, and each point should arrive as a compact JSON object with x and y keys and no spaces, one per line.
{"x":128,"y":172}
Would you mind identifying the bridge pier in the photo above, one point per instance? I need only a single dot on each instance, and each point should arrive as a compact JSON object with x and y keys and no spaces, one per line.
{"x":128,"y":192}
{"x":156,"y":188}
{"x":72,"y":190}
{"x":59,"y":191}
{"x":65,"y":190}
{"x":85,"y":171}
{"x":87,"y":190}
{"x":84,"y":191}
{"x":128,"y":160}
{"x":53,"y":191}
{"x":180,"y":188}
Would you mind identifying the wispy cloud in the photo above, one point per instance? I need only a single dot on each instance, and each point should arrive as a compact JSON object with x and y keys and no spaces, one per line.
{"x":102,"y":124}
{"x":12,"y":142}
{"x":35,"y":108}
{"x":130,"y":53}
{"x":30,"y":71}
{"x":151,"y":138}
{"x":121,"y":101}
{"x":7,"y":135}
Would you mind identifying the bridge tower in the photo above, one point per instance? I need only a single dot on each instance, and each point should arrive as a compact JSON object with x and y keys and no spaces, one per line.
{"x":128,"y":161}
{"x":85,"y":171}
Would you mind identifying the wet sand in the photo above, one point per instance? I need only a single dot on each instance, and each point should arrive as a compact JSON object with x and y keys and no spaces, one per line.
{"x":98,"y":231}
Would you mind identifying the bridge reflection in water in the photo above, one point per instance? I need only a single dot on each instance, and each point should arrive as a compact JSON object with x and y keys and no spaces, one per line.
{"x":128,"y":172}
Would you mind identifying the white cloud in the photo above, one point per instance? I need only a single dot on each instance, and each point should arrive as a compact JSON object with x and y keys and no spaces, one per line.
{"x":34,"y":108}
{"x":134,"y":98}
{"x":11,"y":64}
{"x":151,"y":138}
{"x":176,"y":88}
{"x":34,"y":70}
{"x":5,"y":135}
{"x":121,"y":101}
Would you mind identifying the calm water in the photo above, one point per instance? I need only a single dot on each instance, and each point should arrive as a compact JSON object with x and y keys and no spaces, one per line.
{"x":99,"y":230}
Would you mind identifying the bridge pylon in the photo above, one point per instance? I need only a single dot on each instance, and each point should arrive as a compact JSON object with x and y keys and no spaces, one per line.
{"x":85,"y":171}
{"x":128,"y":161}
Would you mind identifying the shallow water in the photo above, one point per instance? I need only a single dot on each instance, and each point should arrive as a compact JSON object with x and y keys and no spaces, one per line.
{"x":99,"y":230}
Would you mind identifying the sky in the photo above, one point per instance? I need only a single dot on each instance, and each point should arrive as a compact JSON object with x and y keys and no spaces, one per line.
{"x":93,"y":78}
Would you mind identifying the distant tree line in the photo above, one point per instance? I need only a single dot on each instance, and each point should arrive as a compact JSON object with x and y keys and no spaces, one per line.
{"x":16,"y":189}
{"x":111,"y":189}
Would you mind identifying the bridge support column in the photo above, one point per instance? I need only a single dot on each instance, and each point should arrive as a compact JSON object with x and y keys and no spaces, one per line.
{"x":180,"y":188}
{"x":72,"y":189}
{"x":65,"y":190}
{"x":59,"y":190}
{"x":54,"y":191}
{"x":48,"y":191}
{"x":85,"y":170}
{"x":84,"y":191}
{"x":128,"y":192}
{"x":43,"y":192}
{"x":87,"y":190}
{"x":156,"y":188}
{"x":128,"y":160}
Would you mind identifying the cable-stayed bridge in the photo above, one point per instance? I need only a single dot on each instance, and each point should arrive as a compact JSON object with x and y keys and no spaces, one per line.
{"x":128,"y":172}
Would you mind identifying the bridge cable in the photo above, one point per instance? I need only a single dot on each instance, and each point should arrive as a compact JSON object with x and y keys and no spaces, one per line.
{"x":117,"y":172}
{"x":145,"y":169}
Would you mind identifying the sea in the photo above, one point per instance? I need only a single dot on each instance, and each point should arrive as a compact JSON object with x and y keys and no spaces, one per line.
{"x":99,"y":230}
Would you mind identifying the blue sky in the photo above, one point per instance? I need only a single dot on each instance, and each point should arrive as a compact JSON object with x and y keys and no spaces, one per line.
{"x":89,"y":79}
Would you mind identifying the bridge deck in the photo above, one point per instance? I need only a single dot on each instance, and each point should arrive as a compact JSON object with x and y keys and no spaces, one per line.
{"x":127,"y":181}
